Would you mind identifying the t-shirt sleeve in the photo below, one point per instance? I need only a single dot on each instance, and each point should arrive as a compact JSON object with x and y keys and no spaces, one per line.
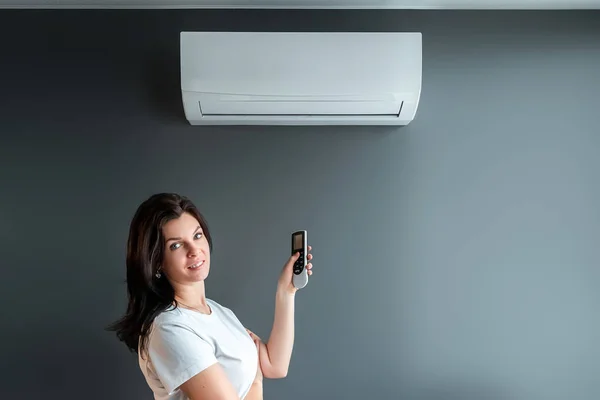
{"x":177,"y":354}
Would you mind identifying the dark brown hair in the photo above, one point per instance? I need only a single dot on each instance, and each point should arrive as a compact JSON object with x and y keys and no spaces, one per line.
{"x":148,"y":295}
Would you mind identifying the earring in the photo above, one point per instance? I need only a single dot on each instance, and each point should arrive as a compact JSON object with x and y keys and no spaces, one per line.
{"x":158,"y":274}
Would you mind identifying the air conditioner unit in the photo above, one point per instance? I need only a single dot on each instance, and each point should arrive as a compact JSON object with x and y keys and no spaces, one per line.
{"x":300,"y":78}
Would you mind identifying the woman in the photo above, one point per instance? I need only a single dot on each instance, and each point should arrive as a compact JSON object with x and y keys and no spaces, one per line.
{"x":189,"y":346}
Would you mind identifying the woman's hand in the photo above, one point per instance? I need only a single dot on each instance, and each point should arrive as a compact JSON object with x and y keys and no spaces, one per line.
{"x":285,"y":285}
{"x":257,"y":342}
{"x":256,"y":390}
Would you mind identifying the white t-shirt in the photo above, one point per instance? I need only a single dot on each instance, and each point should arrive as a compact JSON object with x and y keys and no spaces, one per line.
{"x":184,"y":342}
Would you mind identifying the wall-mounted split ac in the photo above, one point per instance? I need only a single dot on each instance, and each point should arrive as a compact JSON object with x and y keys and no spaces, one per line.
{"x":300,"y":78}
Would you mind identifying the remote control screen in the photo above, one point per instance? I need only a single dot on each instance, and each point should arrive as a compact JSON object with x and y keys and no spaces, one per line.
{"x":298,"y":242}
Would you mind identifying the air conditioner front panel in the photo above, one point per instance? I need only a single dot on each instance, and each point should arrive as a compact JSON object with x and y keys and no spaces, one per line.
{"x":300,"y":63}
{"x":300,"y":77}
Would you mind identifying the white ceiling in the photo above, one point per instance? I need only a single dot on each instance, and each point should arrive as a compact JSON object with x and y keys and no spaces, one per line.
{"x":330,"y":4}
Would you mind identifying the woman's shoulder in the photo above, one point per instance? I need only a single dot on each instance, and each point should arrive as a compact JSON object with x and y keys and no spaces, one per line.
{"x":172,"y":317}
{"x":220,"y":308}
{"x":182,"y":317}
{"x":215,"y":304}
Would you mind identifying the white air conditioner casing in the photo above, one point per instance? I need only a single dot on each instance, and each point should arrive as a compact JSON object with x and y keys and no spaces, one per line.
{"x":300,"y":78}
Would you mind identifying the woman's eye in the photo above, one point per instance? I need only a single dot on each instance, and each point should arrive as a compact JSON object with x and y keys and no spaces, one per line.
{"x":175,"y":246}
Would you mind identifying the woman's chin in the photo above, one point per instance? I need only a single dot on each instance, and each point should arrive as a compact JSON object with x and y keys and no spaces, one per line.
{"x":197,"y":275}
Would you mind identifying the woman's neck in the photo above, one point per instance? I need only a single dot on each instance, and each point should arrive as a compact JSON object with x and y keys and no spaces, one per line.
{"x":193,"y":296}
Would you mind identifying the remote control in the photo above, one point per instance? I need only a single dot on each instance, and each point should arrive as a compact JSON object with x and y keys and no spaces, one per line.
{"x":300,"y":276}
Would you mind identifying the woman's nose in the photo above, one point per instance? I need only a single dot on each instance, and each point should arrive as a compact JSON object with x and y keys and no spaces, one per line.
{"x":193,"y":251}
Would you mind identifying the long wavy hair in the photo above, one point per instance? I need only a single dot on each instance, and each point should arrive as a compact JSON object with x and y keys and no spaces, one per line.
{"x":148,"y":295}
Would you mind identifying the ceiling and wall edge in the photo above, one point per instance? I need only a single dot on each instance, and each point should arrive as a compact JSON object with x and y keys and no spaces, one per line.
{"x":307,"y":4}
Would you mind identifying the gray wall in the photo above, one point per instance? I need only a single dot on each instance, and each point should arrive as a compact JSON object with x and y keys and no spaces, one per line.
{"x":456,"y":258}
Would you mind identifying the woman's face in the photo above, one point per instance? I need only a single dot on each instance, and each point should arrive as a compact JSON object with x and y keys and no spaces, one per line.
{"x":187,"y":253}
